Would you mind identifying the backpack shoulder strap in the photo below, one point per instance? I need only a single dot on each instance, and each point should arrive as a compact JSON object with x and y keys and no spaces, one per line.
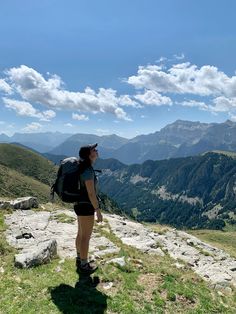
{"x":97,"y":170}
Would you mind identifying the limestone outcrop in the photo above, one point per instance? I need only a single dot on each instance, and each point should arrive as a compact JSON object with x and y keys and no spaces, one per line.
{"x":20,"y":203}
{"x":31,"y":233}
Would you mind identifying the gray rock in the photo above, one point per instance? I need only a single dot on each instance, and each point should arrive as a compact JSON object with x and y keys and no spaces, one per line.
{"x":118,"y":260}
{"x":26,"y":229}
{"x":211,"y":263}
{"x":133,"y":234}
{"x":20,"y":203}
{"x":102,"y":242}
{"x":36,"y":255}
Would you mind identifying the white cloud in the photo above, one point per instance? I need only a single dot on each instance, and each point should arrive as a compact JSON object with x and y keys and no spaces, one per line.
{"x":68,"y":124}
{"x":156,"y":84}
{"x":24,"y":108}
{"x":174,"y":58}
{"x":184,"y":78}
{"x":47,"y":115}
{"x":161,"y":59}
{"x":103,"y":131}
{"x":125,"y":100}
{"x":121,"y":114}
{"x":32,"y":127}
{"x":33,"y":87}
{"x":224,"y":104}
{"x":179,"y":57}
{"x":76,"y":116}
{"x":193,"y":103}
{"x":219,"y":104}
{"x":151,"y":97}
{"x":5,"y":87}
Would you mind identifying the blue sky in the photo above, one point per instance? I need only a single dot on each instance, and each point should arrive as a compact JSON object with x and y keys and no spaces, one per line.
{"x":123,"y":67}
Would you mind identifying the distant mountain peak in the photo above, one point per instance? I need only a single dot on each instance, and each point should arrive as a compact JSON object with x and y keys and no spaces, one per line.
{"x":185,"y":124}
{"x":229,"y":122}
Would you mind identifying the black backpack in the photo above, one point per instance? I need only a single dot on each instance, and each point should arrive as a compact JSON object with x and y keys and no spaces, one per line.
{"x":67,"y":183}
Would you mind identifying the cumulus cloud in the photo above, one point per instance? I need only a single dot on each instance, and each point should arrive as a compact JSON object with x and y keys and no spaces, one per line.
{"x":218,"y":104}
{"x":208,"y":82}
{"x":77,"y":116}
{"x":24,"y":108}
{"x":155,"y":85}
{"x":184,"y":78}
{"x":33,"y":87}
{"x":5,"y":87}
{"x":224,"y":104}
{"x":151,"y":97}
{"x":32,"y":127}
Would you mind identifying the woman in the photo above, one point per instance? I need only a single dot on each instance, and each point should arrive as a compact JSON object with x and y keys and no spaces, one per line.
{"x":86,"y":206}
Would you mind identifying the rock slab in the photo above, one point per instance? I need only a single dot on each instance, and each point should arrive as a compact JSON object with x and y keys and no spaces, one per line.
{"x":36,"y":255}
{"x":212,"y":264}
{"x":20,"y":203}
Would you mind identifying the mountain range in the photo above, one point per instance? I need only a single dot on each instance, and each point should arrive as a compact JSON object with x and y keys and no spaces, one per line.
{"x":181,"y":138}
{"x":41,"y":142}
{"x":195,"y":191}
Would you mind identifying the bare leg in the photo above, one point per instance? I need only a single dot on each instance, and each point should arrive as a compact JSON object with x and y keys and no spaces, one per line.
{"x":86,"y":224}
{"x":77,"y":239}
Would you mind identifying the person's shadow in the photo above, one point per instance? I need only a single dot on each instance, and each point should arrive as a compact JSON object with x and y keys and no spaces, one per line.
{"x":84,"y":298}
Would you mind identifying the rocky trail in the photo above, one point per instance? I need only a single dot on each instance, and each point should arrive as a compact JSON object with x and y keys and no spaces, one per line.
{"x":41,"y":234}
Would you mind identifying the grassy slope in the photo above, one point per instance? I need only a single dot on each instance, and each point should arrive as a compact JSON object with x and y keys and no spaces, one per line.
{"x":14,"y":184}
{"x":225,"y":239}
{"x":156,"y":287}
{"x":27,"y":162}
{"x":24,"y":173}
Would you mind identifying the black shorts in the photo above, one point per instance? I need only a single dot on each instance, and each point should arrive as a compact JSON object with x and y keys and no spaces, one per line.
{"x":84,"y":209}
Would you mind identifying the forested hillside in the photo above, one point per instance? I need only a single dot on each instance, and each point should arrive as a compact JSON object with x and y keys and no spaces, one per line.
{"x":196,"y":191}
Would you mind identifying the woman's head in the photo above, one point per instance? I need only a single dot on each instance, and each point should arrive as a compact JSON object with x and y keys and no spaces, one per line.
{"x":89,"y":153}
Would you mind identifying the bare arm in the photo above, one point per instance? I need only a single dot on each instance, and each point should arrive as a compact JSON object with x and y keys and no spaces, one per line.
{"x":91,"y":192}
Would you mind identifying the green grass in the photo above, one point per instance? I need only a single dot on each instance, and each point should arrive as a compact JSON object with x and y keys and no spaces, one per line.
{"x":27,"y":162}
{"x":64,"y":218}
{"x":14,"y":184}
{"x":155,"y":287}
{"x":225,"y":240}
{"x":24,"y":173}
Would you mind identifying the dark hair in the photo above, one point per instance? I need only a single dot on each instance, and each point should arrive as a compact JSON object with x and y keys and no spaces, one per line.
{"x":84,"y":164}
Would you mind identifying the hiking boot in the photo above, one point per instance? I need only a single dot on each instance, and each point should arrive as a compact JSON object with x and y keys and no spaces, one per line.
{"x":87,"y":268}
{"x":77,"y":262}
